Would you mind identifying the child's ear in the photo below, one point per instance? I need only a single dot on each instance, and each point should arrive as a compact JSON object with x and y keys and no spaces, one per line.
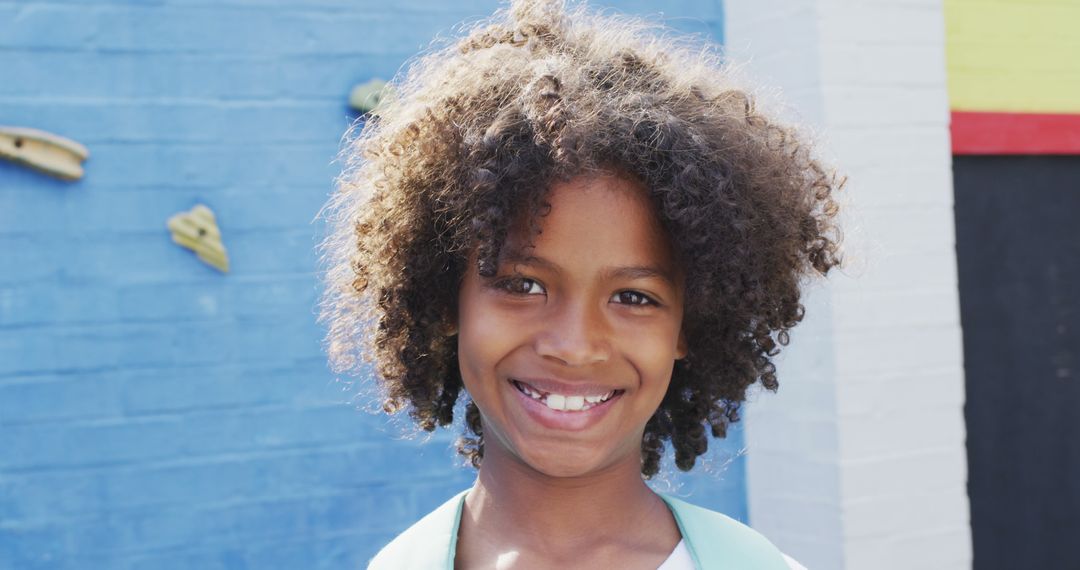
{"x":680,"y":347}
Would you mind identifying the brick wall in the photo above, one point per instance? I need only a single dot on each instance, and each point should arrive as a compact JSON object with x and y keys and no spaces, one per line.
{"x":859,"y":462}
{"x":154,"y":413}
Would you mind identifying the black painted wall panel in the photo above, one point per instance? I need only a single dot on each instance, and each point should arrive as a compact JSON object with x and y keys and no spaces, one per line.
{"x":1018,"y":247}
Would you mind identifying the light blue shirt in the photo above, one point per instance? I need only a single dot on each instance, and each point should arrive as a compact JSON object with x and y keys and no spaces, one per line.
{"x":715,"y":541}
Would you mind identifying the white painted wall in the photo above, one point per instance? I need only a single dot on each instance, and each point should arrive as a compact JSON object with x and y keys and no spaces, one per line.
{"x":859,"y":462}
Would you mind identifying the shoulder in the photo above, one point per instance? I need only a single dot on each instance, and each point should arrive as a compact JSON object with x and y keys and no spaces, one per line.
{"x":716,"y":540}
{"x":427,"y":544}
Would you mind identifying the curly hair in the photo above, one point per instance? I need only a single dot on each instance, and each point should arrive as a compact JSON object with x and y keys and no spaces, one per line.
{"x":470,"y":141}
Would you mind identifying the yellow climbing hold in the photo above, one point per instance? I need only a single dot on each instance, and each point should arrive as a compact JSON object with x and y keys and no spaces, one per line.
{"x":197,"y":230}
{"x":367,"y":96}
{"x":43,"y":151}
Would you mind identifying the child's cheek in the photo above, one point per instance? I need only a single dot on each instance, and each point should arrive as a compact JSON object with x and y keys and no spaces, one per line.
{"x":487,"y":335}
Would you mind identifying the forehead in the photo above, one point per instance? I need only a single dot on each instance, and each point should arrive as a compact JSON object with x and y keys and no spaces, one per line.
{"x":596,"y":217}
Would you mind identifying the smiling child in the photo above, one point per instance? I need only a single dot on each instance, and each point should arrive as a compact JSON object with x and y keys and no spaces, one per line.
{"x":588,"y":233}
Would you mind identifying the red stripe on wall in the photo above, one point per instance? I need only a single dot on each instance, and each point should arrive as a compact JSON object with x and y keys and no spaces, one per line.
{"x":1015,"y":133}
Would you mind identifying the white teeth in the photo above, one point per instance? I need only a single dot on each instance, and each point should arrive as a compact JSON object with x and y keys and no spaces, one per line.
{"x":562,"y":402}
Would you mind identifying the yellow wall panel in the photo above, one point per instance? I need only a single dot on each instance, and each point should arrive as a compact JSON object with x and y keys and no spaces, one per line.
{"x":1013,"y":55}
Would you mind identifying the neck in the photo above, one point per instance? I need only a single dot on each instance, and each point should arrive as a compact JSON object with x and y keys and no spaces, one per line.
{"x":562,"y":513}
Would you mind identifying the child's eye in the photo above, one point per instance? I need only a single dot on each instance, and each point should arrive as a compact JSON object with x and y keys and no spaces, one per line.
{"x":632,"y":298}
{"x":521,"y":286}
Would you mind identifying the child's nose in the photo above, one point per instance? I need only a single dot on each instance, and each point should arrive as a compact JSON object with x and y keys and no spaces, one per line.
{"x":576,"y":335}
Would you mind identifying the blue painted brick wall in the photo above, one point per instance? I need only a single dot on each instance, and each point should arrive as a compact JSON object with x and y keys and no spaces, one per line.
{"x":154,"y":413}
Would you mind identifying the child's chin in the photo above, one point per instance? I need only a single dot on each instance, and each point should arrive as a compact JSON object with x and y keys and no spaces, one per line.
{"x":564,"y":464}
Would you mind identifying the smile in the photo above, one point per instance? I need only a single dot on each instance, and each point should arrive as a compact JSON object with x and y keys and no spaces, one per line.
{"x":564,"y":402}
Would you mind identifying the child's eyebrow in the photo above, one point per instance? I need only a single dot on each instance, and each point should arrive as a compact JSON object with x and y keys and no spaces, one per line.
{"x":640,"y":272}
{"x":517,"y":258}
{"x":628,"y":272}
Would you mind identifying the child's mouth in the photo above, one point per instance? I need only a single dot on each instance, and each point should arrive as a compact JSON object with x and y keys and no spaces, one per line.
{"x":562,"y":402}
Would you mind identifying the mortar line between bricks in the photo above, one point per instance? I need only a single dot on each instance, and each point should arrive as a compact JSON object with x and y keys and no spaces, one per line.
{"x":208,"y":52}
{"x":194,"y":460}
{"x":175,"y":414}
{"x":205,"y":460}
{"x":342,"y":57}
{"x":291,"y":538}
{"x":163,"y":365}
{"x":886,"y":457}
{"x":172,"y":280}
{"x":167,"y":142}
{"x":228,"y":367}
{"x":70,"y":329}
{"x":936,"y":325}
{"x":180,"y":506}
{"x":923,"y":532}
{"x":172,"y":149}
{"x":884,"y":378}
{"x":289,"y":231}
{"x":62,"y":327}
{"x":238,"y":189}
{"x":218,"y":102}
{"x":310,"y":8}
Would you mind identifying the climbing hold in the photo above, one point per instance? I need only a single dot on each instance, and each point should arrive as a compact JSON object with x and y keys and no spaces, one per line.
{"x":367,"y":96}
{"x":52,"y":154}
{"x":197,"y":230}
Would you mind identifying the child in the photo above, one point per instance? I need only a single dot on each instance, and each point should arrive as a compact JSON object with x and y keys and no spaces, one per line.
{"x":595,"y":236}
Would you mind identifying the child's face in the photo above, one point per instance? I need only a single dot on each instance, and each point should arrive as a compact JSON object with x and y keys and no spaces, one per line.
{"x":592,"y":312}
